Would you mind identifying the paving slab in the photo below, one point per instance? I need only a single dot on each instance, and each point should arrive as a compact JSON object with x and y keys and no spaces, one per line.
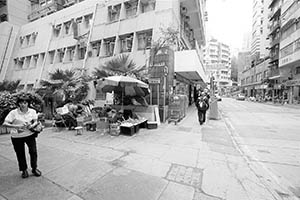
{"x":175,"y":191}
{"x":36,"y":188}
{"x":79,"y":174}
{"x":127,"y":185}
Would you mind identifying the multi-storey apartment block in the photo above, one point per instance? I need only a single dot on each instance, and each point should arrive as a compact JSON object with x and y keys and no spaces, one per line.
{"x":274,"y":36}
{"x":13,"y":13}
{"x":289,"y":55}
{"x":42,"y":8}
{"x":259,"y":29}
{"x":89,"y":33}
{"x":218,"y":64}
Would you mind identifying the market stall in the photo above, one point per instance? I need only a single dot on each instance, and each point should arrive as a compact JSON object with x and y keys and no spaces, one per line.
{"x":129,"y":93}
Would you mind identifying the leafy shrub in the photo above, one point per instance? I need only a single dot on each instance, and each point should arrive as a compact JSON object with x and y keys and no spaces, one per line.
{"x":8,"y":102}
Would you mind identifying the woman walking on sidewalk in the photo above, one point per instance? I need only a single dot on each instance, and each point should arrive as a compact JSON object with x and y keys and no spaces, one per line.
{"x":21,"y":120}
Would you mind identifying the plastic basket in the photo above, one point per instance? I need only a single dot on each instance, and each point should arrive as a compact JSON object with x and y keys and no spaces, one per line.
{"x":114,"y":129}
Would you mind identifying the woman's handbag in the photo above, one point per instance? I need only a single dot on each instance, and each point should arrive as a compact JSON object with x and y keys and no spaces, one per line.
{"x":37,"y":128}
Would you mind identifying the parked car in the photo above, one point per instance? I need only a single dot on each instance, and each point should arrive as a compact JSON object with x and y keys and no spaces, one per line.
{"x":241,"y":97}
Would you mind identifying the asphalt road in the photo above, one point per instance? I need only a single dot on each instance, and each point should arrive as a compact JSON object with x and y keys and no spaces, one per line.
{"x":268,"y":137}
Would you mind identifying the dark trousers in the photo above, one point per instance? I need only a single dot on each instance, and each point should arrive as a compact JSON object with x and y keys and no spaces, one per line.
{"x":19,"y":146}
{"x":201,"y":116}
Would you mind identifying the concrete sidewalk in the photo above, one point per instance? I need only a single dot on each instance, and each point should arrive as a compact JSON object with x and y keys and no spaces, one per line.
{"x":184,"y":161}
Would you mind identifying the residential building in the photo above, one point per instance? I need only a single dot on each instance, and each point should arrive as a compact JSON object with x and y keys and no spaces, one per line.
{"x":42,"y":8}
{"x":246,"y":45}
{"x":89,"y":33}
{"x":218,"y":64}
{"x":13,"y":13}
{"x":254,"y":79}
{"x":289,"y":55}
{"x":274,"y":36}
{"x":259,"y":29}
{"x":243,"y":63}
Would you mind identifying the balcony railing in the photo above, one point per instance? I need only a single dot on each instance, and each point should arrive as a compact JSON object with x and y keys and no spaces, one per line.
{"x":275,"y":41}
{"x":44,"y":10}
{"x":274,"y":56}
{"x":276,"y":24}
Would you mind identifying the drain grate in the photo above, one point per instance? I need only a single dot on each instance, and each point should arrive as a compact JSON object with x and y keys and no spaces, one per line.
{"x":185,"y":175}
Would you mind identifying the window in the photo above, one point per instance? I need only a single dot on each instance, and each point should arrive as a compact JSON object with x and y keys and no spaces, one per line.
{"x":27,"y":38}
{"x":42,"y":57}
{"x":34,"y":60}
{"x":114,"y":13}
{"x":33,"y":36}
{"x":16,"y":62}
{"x":70,"y":53}
{"x":60,"y":54}
{"x":81,"y":52}
{"x":297,"y":71}
{"x":126,"y":43}
{"x":67,"y":27}
{"x":144,"y":40}
{"x":131,"y":8}
{"x":286,"y":50}
{"x":96,"y":48}
{"x":51,"y":57}
{"x":87,"y":20}
{"x":3,"y":18}
{"x":109,"y":46}
{"x":56,"y":30}
{"x":288,"y":32}
{"x":21,"y":41}
{"x":297,"y":44}
{"x":147,"y":5}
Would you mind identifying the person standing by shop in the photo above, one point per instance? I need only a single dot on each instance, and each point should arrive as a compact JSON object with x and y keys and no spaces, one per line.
{"x":20,"y":120}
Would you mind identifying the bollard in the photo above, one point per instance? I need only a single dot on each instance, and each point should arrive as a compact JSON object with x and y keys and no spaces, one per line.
{"x":213,"y":109}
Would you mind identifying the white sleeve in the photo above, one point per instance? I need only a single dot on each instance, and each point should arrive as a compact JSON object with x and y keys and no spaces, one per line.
{"x":10,"y":117}
{"x":34,"y":114}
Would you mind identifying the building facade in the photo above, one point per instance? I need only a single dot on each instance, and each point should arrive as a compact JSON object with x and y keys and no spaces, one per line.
{"x":274,"y":36}
{"x":217,"y":60}
{"x":259,"y":29}
{"x":13,"y":14}
{"x":253,"y":82}
{"x":89,"y":33}
{"x":289,"y":55}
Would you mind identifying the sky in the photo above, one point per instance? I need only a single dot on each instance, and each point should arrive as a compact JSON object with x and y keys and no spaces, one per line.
{"x":229,"y":20}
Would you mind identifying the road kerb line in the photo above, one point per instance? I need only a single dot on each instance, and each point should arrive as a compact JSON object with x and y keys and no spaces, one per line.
{"x":273,"y":182}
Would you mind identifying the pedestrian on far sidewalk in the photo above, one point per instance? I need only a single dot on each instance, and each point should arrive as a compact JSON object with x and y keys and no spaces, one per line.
{"x":21,"y":120}
{"x":202,"y":107}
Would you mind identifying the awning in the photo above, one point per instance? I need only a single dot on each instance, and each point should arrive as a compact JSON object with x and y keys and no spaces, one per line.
{"x":188,"y":65}
{"x":274,"y":77}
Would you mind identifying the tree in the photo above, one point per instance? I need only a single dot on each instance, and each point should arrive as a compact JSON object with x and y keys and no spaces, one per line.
{"x":65,"y":85}
{"x":10,"y":86}
{"x":169,"y":39}
{"x":120,"y":65}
